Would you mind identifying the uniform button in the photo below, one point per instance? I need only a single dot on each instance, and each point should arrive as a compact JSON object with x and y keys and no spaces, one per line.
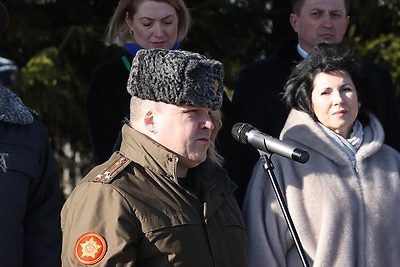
{"x":169,"y":158}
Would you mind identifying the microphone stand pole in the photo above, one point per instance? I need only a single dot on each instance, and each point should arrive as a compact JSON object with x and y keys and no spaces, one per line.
{"x":268,"y":167}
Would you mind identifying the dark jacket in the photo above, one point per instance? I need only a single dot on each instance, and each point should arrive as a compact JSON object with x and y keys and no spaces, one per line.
{"x":257,"y":100}
{"x":30,"y":196}
{"x":134,"y":203}
{"x":107,"y":104}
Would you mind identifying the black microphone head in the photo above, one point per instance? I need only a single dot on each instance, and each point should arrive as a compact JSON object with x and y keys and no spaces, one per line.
{"x":240,"y":130}
{"x":300,"y":155}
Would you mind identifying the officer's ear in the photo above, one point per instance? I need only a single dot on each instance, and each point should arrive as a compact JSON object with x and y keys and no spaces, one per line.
{"x":149,"y":121}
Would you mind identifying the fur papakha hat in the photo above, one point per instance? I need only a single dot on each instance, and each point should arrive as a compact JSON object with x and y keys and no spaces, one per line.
{"x":176,"y":77}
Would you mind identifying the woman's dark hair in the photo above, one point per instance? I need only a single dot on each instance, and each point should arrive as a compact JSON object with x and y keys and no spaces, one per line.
{"x":326,"y":58}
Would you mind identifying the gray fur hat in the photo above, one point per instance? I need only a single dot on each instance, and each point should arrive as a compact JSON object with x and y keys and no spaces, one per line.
{"x":176,"y":77}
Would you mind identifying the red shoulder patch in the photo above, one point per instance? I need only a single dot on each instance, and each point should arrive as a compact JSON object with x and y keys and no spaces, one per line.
{"x":90,"y":248}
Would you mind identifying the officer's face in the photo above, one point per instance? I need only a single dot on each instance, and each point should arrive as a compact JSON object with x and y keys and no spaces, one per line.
{"x":185,"y":131}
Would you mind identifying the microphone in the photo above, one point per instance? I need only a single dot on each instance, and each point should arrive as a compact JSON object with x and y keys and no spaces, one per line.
{"x":247,"y":134}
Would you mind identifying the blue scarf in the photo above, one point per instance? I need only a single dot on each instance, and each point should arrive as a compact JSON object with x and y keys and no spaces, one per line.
{"x":133,"y":48}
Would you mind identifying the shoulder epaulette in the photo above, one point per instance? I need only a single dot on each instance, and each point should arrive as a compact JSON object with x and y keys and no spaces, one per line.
{"x":109,"y":173}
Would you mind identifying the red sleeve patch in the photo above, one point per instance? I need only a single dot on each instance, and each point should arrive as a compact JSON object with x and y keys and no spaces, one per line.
{"x":90,"y":248}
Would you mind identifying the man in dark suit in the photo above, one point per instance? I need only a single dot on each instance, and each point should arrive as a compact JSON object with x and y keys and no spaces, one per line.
{"x":257,"y":97}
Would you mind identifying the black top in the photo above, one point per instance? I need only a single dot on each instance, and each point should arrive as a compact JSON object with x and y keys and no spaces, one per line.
{"x":107,"y":105}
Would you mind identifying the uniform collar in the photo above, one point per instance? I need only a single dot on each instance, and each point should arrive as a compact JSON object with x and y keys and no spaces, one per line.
{"x":147,"y":153}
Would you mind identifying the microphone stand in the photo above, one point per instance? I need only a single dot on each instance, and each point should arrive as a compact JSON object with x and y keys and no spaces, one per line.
{"x":268,"y":167}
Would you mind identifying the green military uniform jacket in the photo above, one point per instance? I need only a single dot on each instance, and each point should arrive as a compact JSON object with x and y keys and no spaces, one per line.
{"x":130,"y":211}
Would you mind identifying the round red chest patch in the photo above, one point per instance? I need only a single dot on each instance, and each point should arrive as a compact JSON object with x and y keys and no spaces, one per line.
{"x":90,"y":248}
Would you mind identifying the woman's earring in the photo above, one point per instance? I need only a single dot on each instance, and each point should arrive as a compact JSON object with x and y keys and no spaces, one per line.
{"x":131,"y":32}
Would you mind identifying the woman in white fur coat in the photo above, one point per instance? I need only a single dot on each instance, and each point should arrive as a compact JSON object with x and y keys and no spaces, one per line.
{"x":345,"y":201}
